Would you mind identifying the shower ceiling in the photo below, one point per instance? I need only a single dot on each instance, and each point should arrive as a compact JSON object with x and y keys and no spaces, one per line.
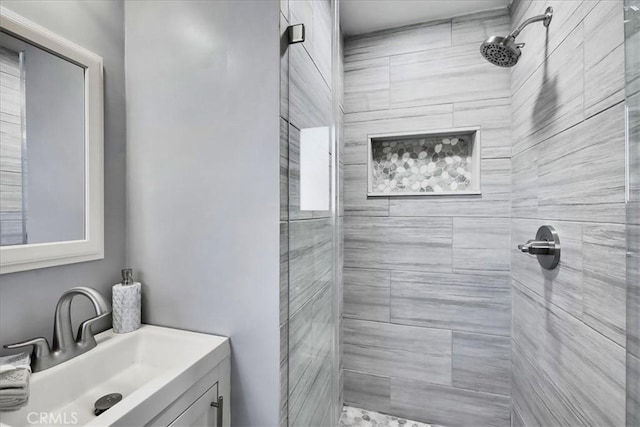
{"x":365,"y":16}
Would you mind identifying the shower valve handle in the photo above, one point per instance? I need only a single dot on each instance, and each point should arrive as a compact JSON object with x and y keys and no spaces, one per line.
{"x":538,"y":247}
{"x":546,"y":247}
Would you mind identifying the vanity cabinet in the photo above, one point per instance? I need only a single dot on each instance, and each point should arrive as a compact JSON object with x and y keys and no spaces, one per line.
{"x":199,"y":405}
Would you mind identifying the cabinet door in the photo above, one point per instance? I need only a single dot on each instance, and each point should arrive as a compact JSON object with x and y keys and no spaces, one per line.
{"x":200,"y":413}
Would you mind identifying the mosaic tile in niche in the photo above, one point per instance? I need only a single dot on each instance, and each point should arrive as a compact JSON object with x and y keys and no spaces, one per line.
{"x":430,"y":164}
{"x":356,"y":417}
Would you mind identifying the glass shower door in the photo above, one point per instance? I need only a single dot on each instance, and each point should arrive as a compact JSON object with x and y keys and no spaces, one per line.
{"x":310,"y":225}
{"x":632,"y":60}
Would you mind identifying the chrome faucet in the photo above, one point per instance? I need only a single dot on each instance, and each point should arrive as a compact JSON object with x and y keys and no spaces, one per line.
{"x":65,"y":347}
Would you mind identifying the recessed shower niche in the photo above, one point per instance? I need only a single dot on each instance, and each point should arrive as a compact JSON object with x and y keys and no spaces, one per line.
{"x":434,"y":163}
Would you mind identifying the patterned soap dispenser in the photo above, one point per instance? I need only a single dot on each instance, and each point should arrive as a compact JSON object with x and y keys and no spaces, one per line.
{"x":126,"y":303}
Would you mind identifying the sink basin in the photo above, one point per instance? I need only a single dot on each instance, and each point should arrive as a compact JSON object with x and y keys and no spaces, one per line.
{"x":150,"y":367}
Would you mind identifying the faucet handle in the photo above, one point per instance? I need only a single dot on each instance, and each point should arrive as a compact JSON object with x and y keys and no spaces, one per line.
{"x":85,"y":334}
{"x":40,"y":347}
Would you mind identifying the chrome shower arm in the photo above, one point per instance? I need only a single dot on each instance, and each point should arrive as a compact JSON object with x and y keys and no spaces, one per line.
{"x":546,"y":18}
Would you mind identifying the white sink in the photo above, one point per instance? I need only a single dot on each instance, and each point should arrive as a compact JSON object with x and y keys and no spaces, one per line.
{"x":150,"y":367}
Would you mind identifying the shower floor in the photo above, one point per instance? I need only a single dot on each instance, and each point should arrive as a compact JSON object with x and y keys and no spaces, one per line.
{"x":356,"y":417}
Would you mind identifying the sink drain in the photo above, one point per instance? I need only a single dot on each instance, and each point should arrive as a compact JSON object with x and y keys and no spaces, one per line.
{"x":106,"y":402}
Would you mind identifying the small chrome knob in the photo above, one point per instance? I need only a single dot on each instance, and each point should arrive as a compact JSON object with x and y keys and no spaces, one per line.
{"x":546,"y":246}
{"x":538,"y":247}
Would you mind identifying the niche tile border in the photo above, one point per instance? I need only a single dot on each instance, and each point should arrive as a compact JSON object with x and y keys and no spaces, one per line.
{"x":432,"y":163}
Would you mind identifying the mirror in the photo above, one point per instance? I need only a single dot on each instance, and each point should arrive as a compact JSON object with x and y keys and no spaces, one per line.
{"x":51,"y":144}
{"x":41,"y":146}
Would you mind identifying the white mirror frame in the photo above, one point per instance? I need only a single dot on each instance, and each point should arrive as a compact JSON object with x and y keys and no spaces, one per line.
{"x":40,"y":255}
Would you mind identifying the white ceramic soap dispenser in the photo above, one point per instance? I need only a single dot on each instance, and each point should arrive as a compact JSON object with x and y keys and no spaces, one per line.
{"x":127,"y":303}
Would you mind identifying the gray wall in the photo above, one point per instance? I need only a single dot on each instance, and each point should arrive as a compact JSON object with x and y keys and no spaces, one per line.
{"x":307,"y":282}
{"x":202,"y":176}
{"x":568,"y":325}
{"x":28,"y":299}
{"x":426,"y":280}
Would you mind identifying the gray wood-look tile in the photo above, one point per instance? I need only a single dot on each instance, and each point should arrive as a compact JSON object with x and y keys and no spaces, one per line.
{"x":309,"y":95}
{"x":284,"y":373}
{"x":367,"y":294}
{"x":412,"y":244}
{"x":310,"y":361}
{"x":604,"y":82}
{"x":419,"y":119}
{"x":397,"y":41}
{"x":494,"y":118}
{"x":481,"y":244}
{"x":284,"y":271}
{"x":476,"y":27}
{"x":339,"y":84}
{"x":398,"y":351}
{"x":576,"y":175}
{"x":552,"y":99}
{"x":442,"y":75}
{"x":322,"y":28}
{"x":524,"y":185}
{"x":582,"y":369}
{"x":633,"y":289}
{"x":366,"y":85}
{"x":583,"y":168}
{"x":371,"y":278}
{"x":561,"y":286}
{"x":309,"y":260}
{"x":494,"y":202}
{"x":533,"y":395}
{"x":284,"y":170}
{"x":367,"y":391}
{"x":356,"y":201}
{"x":605,"y":290}
{"x":447,"y":405}
{"x":633,"y":123}
{"x":482,"y":362}
{"x":632,"y":62}
{"x":516,"y":419}
{"x":633,"y":390}
{"x":604,"y":61}
{"x":472,"y":303}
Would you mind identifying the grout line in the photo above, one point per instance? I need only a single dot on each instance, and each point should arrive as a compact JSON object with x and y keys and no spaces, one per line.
{"x":426,"y":327}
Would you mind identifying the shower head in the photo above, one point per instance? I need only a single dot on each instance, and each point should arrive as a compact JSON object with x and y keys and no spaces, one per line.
{"x":504,"y":51}
{"x":501,"y":51}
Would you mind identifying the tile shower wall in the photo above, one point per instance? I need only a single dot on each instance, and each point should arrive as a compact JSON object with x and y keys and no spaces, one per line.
{"x":568,"y":324}
{"x":426,"y":279}
{"x":307,"y":324}
{"x":632,"y":61}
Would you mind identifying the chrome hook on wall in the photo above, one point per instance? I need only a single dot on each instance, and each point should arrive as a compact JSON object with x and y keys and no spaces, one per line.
{"x":546,"y":247}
